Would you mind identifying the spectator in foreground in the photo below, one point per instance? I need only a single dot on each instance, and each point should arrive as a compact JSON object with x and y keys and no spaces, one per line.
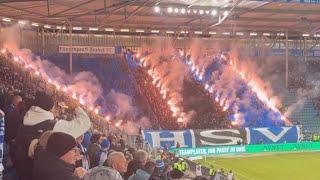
{"x":39,"y":119}
{"x":102,"y":173}
{"x":139,"y":161}
{"x":230,"y":175}
{"x":14,"y":118}
{"x":2,"y":128}
{"x":58,"y":160}
{"x":102,"y":155}
{"x":144,"y":173}
{"x":83,"y":161}
{"x":117,"y":161}
{"x":94,"y":148}
{"x":36,"y":121}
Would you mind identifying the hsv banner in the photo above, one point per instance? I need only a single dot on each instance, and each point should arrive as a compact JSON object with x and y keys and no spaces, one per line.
{"x":199,"y":138}
{"x":272,"y":135}
{"x":168,"y":139}
{"x":218,"y":137}
{"x":194,"y":138}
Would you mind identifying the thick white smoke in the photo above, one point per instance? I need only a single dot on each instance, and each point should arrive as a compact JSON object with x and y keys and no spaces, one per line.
{"x":85,"y":83}
{"x":163,"y":61}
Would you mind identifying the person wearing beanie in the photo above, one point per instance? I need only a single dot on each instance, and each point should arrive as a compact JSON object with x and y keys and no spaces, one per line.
{"x":160,"y":164}
{"x":103,"y":153}
{"x":39,"y":119}
{"x":86,"y":139}
{"x":57,"y":161}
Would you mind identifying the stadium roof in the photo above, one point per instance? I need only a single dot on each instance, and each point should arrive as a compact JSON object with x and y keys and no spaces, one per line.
{"x":259,"y":16}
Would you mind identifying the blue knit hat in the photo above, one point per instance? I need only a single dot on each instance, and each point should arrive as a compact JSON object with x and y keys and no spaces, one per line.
{"x":159,"y":164}
{"x":105,"y":144}
{"x":86,"y":139}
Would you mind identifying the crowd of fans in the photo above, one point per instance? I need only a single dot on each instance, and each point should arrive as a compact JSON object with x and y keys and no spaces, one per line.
{"x":157,"y":103}
{"x":209,"y":113}
{"x":50,"y":136}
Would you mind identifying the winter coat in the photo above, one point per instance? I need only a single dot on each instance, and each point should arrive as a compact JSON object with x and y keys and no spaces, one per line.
{"x":103,"y":155}
{"x":84,"y":161}
{"x":14,"y":118}
{"x":133,"y":166}
{"x":47,"y":166}
{"x":140,"y":175}
{"x":42,"y":121}
{"x":93,"y":149}
{"x":37,"y":121}
{"x":2,"y":132}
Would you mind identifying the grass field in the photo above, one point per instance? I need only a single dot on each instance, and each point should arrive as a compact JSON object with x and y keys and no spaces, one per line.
{"x":290,"y":166}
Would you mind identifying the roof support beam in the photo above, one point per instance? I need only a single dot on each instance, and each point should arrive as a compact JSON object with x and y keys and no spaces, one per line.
{"x":23,"y":10}
{"x":48,"y":8}
{"x":15,"y":1}
{"x":69,"y":9}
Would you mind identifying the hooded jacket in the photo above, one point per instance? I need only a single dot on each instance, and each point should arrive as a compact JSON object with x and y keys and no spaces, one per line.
{"x":37,"y":121}
{"x":76,"y":127}
{"x":140,"y":175}
{"x":49,"y":167}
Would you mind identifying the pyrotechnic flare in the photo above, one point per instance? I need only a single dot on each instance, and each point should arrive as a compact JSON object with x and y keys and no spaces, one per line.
{"x":37,"y":73}
{"x":108,"y":118}
{"x":16,"y":59}
{"x":220,"y":95}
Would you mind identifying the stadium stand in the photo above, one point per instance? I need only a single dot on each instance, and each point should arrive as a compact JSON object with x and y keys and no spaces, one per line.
{"x":120,"y":159}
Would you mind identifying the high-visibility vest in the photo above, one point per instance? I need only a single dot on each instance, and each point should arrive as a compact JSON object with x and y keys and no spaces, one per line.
{"x":158,"y":157}
{"x":176,"y":166}
{"x":211,"y":172}
{"x":183,"y":166}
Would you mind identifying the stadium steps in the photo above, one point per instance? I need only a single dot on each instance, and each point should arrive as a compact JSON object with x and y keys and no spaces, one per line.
{"x":307,"y":115}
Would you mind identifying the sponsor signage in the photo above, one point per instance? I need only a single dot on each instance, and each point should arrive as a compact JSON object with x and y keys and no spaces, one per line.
{"x":271,"y":135}
{"x":246,"y":149}
{"x":88,"y":49}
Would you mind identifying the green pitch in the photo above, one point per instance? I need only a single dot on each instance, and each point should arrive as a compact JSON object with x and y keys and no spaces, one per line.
{"x":291,"y":166}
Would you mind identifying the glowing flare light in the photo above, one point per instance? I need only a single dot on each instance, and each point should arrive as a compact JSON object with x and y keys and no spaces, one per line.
{"x":156,"y":80}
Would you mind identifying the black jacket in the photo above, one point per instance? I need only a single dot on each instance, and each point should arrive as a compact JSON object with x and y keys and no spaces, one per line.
{"x":14,"y":119}
{"x":49,"y":167}
{"x":26,"y":134}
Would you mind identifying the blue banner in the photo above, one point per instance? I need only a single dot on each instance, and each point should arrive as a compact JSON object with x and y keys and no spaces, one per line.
{"x":272,"y":135}
{"x":169,"y":139}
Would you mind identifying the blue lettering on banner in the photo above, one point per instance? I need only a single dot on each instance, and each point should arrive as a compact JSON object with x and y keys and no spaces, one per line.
{"x":168,"y":139}
{"x":272,"y":135}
